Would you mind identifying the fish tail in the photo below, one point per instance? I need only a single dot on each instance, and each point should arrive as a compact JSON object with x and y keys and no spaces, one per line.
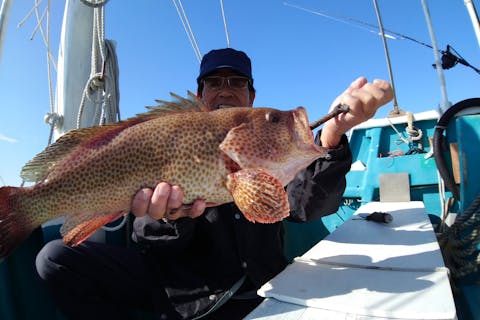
{"x":14,"y":225}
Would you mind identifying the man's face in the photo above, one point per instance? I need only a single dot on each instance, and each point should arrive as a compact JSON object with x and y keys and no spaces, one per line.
{"x":226,"y":96}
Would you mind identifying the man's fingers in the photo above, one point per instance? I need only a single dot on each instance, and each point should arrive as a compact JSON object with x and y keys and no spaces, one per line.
{"x":176,"y":197}
{"x":386,"y":87}
{"x":188,"y":210}
{"x":141,"y":202}
{"x":165,"y":201}
{"x":357,"y":84}
{"x":197,"y":208}
{"x":372,"y":96}
{"x":159,"y":201}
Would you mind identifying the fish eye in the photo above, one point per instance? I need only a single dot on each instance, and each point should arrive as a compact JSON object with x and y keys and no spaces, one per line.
{"x":272,"y":117}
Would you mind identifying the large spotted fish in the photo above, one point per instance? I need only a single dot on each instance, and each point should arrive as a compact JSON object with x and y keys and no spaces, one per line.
{"x":246,"y":155}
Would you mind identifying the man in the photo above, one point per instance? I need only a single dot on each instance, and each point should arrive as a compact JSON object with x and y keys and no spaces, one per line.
{"x":203,"y":261}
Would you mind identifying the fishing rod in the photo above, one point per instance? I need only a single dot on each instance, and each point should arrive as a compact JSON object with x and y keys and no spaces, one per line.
{"x":449,"y":59}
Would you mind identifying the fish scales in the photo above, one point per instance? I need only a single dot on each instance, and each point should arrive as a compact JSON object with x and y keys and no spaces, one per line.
{"x":95,"y":178}
{"x":140,"y":156}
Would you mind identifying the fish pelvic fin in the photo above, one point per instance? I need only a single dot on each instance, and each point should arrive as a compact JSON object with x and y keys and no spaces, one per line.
{"x":260,"y":196}
{"x":79,"y":227}
{"x":14,"y":225}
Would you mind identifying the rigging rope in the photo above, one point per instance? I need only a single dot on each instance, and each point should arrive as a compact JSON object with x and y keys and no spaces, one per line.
{"x":40,"y":27}
{"x":51,"y":117}
{"x":103,"y":81}
{"x":225,"y":23}
{"x":188,"y":30}
{"x":94,"y":3}
{"x":460,"y":242}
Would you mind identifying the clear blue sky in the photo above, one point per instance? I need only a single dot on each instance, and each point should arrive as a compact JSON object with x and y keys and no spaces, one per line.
{"x":299,"y":58}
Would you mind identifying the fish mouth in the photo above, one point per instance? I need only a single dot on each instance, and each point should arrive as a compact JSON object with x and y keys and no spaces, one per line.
{"x":300,"y":126}
{"x":302,"y":133}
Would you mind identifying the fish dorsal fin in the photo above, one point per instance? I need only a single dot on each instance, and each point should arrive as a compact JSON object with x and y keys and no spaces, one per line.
{"x":40,"y":166}
{"x":179,"y":104}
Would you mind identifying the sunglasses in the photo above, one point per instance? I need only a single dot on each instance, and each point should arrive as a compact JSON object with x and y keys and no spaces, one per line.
{"x":217,"y":82}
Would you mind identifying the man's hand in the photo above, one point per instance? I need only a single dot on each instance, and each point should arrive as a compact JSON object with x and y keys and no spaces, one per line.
{"x":165,"y":202}
{"x":363,"y":98}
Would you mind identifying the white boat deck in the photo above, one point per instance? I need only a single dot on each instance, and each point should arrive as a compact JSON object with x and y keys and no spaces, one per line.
{"x":366,"y":270}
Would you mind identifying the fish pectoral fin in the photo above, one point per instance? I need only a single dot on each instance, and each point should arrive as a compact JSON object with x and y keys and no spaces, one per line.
{"x":260,"y":196}
{"x":234,"y":145}
{"x":79,"y":227}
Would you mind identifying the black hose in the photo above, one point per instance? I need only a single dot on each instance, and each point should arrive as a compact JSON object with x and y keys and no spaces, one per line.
{"x":439,"y":142}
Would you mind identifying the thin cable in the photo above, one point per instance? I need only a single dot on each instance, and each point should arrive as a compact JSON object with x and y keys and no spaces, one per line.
{"x":49,"y":71}
{"x":391,"y":34}
{"x":186,"y":26}
{"x":21,"y":23}
{"x":396,"y":110}
{"x":42,"y":32}
{"x":51,"y":120}
{"x":225,"y":23}
{"x":39,"y":23}
{"x":190,"y":29}
{"x":339,"y":19}
{"x":404,"y":140}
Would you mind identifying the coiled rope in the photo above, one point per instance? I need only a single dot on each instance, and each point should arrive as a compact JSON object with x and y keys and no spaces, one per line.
{"x":101,"y":89}
{"x":460,"y":242}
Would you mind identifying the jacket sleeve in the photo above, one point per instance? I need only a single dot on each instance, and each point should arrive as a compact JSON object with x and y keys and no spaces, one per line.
{"x":169,"y":236}
{"x":317,"y":191}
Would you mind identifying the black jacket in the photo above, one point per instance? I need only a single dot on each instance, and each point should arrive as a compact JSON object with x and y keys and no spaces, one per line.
{"x":199,"y":259}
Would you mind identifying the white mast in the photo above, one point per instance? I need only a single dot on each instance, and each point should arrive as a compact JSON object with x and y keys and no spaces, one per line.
{"x":74,"y":59}
{"x":4,"y":12}
{"x":474,"y":17}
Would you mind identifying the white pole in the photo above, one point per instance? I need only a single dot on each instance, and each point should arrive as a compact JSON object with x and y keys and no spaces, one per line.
{"x":443,"y":88}
{"x":4,"y":13}
{"x":474,"y":17}
{"x":74,"y":62}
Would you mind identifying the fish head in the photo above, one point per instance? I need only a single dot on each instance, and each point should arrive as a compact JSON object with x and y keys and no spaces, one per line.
{"x":279,"y":142}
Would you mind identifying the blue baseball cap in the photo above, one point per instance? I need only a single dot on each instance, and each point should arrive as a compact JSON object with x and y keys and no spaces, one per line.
{"x":228,"y":58}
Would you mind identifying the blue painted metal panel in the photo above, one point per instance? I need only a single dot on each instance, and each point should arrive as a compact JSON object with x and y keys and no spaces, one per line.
{"x":467,"y":129}
{"x":468,"y":138}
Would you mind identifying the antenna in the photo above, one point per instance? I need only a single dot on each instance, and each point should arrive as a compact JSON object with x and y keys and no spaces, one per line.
{"x":396,"y":111}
